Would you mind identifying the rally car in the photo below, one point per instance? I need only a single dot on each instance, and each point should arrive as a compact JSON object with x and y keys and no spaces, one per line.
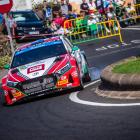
{"x":44,"y":66}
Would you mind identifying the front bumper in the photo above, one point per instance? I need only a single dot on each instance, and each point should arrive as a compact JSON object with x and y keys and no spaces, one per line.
{"x":32,"y":87}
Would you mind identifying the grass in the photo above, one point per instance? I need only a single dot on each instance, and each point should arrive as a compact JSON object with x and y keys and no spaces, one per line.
{"x":130,"y":67}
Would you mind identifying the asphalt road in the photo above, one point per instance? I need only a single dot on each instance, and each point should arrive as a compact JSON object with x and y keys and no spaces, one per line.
{"x":66,"y":117}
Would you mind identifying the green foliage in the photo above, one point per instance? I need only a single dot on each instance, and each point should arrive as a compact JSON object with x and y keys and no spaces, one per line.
{"x":4,"y":60}
{"x":130,"y":67}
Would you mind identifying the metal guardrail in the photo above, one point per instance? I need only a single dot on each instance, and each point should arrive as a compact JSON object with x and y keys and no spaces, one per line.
{"x":80,"y":31}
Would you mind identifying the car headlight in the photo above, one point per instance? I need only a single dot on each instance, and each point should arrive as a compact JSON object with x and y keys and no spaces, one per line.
{"x":19,"y":28}
{"x":64,"y":69}
{"x":11,"y":83}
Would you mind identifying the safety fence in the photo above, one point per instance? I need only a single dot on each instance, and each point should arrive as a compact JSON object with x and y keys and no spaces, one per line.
{"x":78,"y":30}
{"x":132,"y":17}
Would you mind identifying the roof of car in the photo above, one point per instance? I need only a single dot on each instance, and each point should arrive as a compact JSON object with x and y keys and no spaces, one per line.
{"x":39,"y":42}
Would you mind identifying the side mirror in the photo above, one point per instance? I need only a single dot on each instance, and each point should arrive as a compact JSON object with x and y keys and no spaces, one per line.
{"x":7,"y":66}
{"x":75,"y":48}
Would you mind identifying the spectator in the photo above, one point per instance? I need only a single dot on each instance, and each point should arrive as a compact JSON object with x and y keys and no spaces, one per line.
{"x":58,"y":20}
{"x":61,"y":31}
{"x":92,"y":24}
{"x":121,"y":12}
{"x":47,"y":10}
{"x":75,"y":12}
{"x":64,"y":8}
{"x":131,"y":13}
{"x":91,"y":6}
{"x":71,"y":15}
{"x":111,"y":14}
{"x":100,"y":6}
{"x":1,"y":19}
{"x":69,"y":5}
{"x":56,"y":8}
{"x":84,"y":7}
{"x":39,"y":13}
{"x":106,"y":4}
{"x":96,"y":15}
{"x":12,"y":24}
{"x":53,"y":26}
{"x":130,"y":9}
{"x":92,"y":19}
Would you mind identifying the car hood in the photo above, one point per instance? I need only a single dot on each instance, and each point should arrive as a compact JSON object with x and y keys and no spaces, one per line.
{"x":30,"y":24}
{"x":37,"y":69}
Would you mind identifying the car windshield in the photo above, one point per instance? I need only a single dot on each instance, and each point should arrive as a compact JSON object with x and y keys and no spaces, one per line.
{"x":40,"y":53}
{"x":26,"y":16}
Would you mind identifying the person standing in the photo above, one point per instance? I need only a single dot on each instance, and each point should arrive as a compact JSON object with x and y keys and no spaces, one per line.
{"x":39,"y":13}
{"x":92,"y":6}
{"x":64,"y":8}
{"x":12,"y":24}
{"x":69,"y":5}
{"x":56,"y":9}
{"x":84,"y":7}
{"x":47,"y":10}
{"x":100,"y":6}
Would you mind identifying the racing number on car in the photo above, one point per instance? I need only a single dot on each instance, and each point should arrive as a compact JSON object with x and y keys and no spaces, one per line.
{"x":4,"y":2}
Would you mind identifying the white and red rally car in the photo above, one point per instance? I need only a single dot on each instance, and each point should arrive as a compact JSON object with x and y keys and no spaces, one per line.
{"x":43,"y":67}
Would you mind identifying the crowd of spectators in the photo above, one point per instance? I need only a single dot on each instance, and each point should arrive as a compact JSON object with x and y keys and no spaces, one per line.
{"x":56,"y":13}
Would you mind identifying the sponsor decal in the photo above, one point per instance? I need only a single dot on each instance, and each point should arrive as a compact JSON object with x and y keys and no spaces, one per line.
{"x":17,"y":94}
{"x":74,"y":74}
{"x":62,"y":82}
{"x":35,"y":68}
{"x":112,"y":46}
{"x":35,"y":74}
{"x":22,"y":68}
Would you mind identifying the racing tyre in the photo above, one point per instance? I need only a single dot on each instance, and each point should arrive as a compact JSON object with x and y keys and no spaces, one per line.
{"x":3,"y":99}
{"x":81,"y":87}
{"x":87,"y":77}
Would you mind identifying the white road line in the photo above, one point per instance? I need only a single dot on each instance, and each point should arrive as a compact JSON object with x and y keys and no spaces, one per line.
{"x":112,"y":52}
{"x":74,"y":98}
{"x":130,"y":28}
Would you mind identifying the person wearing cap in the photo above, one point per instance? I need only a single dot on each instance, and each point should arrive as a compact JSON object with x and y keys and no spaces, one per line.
{"x":92,"y":24}
{"x":92,"y":6}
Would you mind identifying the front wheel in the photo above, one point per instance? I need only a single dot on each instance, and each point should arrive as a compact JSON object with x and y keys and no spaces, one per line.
{"x":87,"y":77}
{"x":81,"y":87}
{"x":2,"y":99}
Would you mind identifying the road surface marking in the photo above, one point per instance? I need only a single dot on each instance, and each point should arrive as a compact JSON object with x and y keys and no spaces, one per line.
{"x":112,"y":52}
{"x":74,"y":98}
{"x":130,"y":28}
